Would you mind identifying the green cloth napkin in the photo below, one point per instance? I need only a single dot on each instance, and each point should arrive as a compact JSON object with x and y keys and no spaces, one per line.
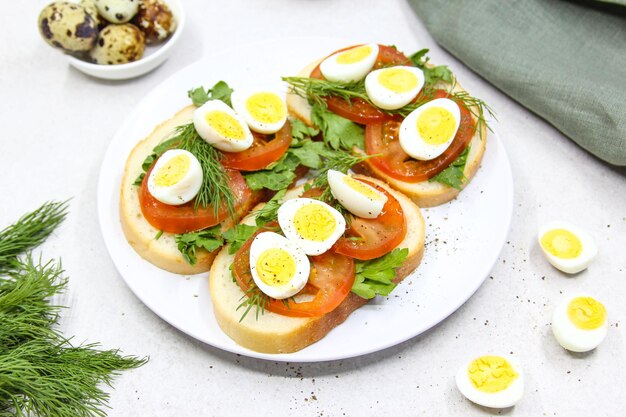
{"x":564,"y":61}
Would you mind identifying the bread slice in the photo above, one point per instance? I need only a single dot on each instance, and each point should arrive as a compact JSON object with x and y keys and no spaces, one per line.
{"x":425,"y":193}
{"x":274,"y":333}
{"x":162,"y":252}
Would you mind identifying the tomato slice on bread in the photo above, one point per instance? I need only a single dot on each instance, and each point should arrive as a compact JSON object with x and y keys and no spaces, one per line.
{"x":186,"y":218}
{"x":262,"y":153}
{"x":372,"y":238}
{"x":382,"y":139}
{"x":330,"y":282}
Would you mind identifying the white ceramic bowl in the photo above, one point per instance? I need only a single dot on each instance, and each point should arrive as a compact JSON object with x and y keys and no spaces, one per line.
{"x":152,"y":58}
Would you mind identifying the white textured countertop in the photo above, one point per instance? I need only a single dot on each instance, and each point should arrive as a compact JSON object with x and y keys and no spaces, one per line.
{"x":57,"y":124}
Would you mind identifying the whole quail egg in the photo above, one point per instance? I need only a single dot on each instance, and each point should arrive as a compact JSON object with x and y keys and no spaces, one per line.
{"x":68,"y":26}
{"x":156,"y":21}
{"x":118,"y":44}
{"x":117,"y":11}
{"x":92,"y":10}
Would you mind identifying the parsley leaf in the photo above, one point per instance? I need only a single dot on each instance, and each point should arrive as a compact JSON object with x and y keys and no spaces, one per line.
{"x":237,"y":236}
{"x":220,"y":91}
{"x":375,"y":277}
{"x":432,"y":75}
{"x":453,"y":176}
{"x":339,"y":133}
{"x":189,"y":243}
{"x":277,"y":177}
{"x":300,"y":131}
{"x":269,"y":212}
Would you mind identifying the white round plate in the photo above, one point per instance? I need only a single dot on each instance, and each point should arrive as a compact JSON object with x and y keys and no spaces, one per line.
{"x":463,"y":238}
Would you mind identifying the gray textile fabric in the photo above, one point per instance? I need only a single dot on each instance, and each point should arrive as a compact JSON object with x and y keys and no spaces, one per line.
{"x":566,"y":61}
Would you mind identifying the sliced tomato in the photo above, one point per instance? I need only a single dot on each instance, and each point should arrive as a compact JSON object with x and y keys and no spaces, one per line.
{"x":264,"y":151}
{"x":330,"y":282}
{"x":358,"y":110}
{"x":185,"y":218}
{"x":372,"y":238}
{"x":382,"y":139}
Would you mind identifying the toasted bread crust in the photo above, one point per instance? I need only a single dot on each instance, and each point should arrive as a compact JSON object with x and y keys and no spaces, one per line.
{"x":274,"y":333}
{"x":425,"y":193}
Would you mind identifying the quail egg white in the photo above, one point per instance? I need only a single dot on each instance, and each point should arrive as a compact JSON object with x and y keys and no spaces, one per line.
{"x":279,"y":268}
{"x":567,"y":247}
{"x":394,"y":87}
{"x":357,"y":197}
{"x":579,"y":323}
{"x":491,"y":381}
{"x":176,"y":177}
{"x":264,"y":111}
{"x":350,"y":65}
{"x":430,"y":129}
{"x":222,"y":127}
{"x":311,"y":224}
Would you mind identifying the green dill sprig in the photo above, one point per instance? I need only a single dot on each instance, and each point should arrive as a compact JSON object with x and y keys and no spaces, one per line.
{"x":41,"y":371}
{"x":316,"y":89}
{"x":253,"y":299}
{"x":29,"y":231}
{"x":215,"y":185}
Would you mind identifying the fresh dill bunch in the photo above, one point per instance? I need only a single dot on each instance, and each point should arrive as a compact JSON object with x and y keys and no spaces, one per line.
{"x":29,"y":231}
{"x":215,"y":185}
{"x":41,"y":372}
{"x":25,"y":313}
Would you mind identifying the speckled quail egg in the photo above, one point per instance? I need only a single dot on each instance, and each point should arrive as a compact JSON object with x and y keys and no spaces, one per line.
{"x":117,"y":11}
{"x":118,"y":44}
{"x":90,"y":7}
{"x":156,"y":21}
{"x":68,"y":26}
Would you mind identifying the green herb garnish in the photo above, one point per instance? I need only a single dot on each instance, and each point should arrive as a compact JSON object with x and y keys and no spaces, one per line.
{"x":339,"y":133}
{"x":453,"y":176}
{"x":29,"y":231}
{"x":376,"y":277}
{"x":432,"y":74}
{"x":41,"y":372}
{"x":220,"y":91}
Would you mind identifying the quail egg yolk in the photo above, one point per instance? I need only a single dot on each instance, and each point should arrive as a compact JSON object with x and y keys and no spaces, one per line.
{"x":491,"y":373}
{"x":436,"y":125}
{"x":562,"y":243}
{"x":225,"y":125}
{"x":314,"y":222}
{"x":354,"y":55}
{"x":361,"y":188}
{"x":266,"y":107}
{"x":586,"y":313}
{"x":398,"y":80}
{"x":276,"y":267}
{"x":173,"y":171}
